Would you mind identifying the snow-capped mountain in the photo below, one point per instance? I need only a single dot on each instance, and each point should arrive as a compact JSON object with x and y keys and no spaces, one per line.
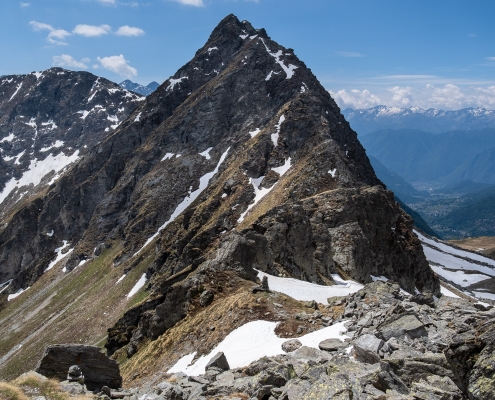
{"x":365,"y":121}
{"x":49,"y":120}
{"x":239,"y":163}
{"x":140,"y":89}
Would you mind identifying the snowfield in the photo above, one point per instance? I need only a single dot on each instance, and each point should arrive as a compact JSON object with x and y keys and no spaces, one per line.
{"x":306,"y":291}
{"x":251,"y":342}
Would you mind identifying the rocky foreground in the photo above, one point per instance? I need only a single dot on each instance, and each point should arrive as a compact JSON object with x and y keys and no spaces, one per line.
{"x":399,"y":347}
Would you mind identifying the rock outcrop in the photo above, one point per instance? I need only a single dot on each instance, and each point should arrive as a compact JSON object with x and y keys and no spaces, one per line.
{"x":97,"y":368}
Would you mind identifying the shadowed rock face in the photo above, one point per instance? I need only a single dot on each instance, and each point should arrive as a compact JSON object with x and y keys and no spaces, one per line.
{"x":244,"y":160}
{"x":97,"y":368}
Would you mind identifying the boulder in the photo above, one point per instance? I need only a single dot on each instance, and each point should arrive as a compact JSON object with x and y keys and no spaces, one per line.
{"x":366,"y":348}
{"x":218,"y":361}
{"x":206,"y":298}
{"x":98,"y":369}
{"x":332,"y":344}
{"x":291,"y":345}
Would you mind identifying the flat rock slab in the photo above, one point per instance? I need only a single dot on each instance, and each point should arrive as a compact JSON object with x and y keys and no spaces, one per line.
{"x":407,"y":324}
{"x":332,"y":345}
{"x":97,"y":368}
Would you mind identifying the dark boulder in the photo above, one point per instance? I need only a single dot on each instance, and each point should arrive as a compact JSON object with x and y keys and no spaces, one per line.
{"x":98,"y":369}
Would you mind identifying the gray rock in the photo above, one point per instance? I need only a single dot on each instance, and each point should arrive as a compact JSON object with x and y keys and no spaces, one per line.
{"x":366,"y":348}
{"x":405,"y":325}
{"x":218,"y":361}
{"x":98,"y":369}
{"x":291,"y":345}
{"x":206,"y":298}
{"x":332,"y":344}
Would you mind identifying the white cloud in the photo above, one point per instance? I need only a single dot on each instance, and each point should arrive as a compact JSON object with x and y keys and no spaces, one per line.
{"x":445,"y":97}
{"x":127,"y":30}
{"x":55,"y":36}
{"x":91,"y":30}
{"x":24,"y":5}
{"x":355,"y":99}
{"x":68,"y":61}
{"x":119,"y":65}
{"x":107,"y":2}
{"x":195,"y":3}
{"x":491,"y":58}
{"x":401,"y":96}
{"x":351,"y":54}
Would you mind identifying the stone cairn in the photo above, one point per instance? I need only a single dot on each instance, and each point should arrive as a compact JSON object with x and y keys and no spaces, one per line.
{"x":75,"y":375}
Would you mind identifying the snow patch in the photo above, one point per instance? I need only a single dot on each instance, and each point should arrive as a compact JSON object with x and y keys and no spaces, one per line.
{"x":333,"y":172}
{"x":289,"y":70}
{"x":56,"y":145}
{"x":447,"y":292}
{"x":206,"y":153}
{"x":210,"y":49}
{"x":167,"y":156}
{"x":137,"y":117}
{"x":60,"y":256}
{"x":84,"y":113}
{"x":252,"y":341}
{"x":275,"y":135}
{"x":306,"y":291}
{"x":8,"y":138}
{"x":284,"y":168}
{"x":255,"y":132}
{"x":50,"y":233}
{"x":174,"y":82}
{"x":120,"y":279}
{"x":37,"y":170}
{"x":189,"y":199}
{"x":16,"y":294}
{"x":140,"y":283}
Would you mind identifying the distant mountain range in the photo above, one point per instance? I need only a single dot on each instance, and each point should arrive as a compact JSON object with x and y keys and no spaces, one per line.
{"x":365,"y":121}
{"x":140,"y":89}
{"x":437,"y":160}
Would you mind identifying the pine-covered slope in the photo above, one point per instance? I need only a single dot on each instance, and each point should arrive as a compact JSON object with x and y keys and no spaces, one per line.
{"x":241,"y":160}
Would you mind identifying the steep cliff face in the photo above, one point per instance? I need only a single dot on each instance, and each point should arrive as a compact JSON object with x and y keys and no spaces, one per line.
{"x":241,"y":160}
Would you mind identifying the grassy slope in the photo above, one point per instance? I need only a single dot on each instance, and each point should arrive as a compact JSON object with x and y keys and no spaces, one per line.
{"x":75,"y":307}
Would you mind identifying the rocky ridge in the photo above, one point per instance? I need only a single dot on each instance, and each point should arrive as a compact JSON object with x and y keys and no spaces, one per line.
{"x":140,"y":89}
{"x":241,"y":160}
{"x":399,"y":347}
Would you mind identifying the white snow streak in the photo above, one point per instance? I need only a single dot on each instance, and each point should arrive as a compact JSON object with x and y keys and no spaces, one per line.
{"x":289,"y":71}
{"x":333,"y":172}
{"x":275,"y":135}
{"x":56,"y":145}
{"x":17,"y":91}
{"x":60,"y":256}
{"x":138,"y":117}
{"x":206,"y":153}
{"x":255,"y":132}
{"x":18,"y":293}
{"x":140,"y":283}
{"x":203,"y":184}
{"x":167,"y":156}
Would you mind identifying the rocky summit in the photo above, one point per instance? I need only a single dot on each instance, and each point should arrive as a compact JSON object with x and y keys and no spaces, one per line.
{"x":238,"y":167}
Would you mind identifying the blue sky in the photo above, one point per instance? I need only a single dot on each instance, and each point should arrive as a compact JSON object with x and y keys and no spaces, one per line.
{"x":365,"y":52}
